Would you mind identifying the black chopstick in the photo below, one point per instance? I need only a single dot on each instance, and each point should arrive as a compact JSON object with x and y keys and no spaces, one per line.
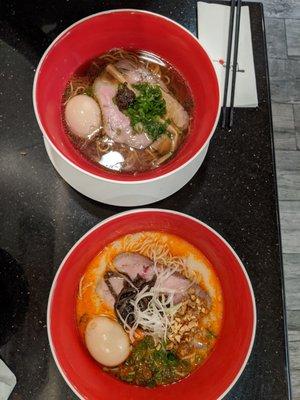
{"x":228,"y":60}
{"x":235,"y":57}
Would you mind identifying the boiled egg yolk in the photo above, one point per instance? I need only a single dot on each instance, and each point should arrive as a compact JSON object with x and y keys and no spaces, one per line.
{"x":106,"y":341}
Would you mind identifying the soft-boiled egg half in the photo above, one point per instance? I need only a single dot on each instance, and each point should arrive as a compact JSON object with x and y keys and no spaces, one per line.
{"x":83,"y":115}
{"x":106,"y":341}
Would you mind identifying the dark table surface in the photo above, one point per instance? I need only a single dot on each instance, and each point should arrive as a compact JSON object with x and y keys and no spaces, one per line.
{"x":41,"y":217}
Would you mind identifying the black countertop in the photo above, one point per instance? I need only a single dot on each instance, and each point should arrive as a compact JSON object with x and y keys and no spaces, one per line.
{"x":41,"y":217}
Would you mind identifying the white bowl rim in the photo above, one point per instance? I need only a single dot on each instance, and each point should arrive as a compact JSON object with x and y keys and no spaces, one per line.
{"x":112,"y":180}
{"x":136,"y":211}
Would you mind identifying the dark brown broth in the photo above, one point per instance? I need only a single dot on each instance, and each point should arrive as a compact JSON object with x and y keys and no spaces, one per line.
{"x":120,"y":157}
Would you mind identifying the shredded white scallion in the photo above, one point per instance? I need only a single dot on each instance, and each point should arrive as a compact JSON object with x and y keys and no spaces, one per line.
{"x":157,"y":318}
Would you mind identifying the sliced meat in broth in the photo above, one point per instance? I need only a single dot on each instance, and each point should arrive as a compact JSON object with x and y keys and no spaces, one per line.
{"x":116,"y":124}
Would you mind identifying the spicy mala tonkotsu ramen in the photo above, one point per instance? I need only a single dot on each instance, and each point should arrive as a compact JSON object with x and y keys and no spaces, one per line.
{"x":149,"y":308}
{"x":127,"y":111}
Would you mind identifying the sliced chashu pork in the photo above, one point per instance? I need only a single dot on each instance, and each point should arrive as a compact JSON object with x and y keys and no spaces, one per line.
{"x":180,"y":286}
{"x":128,"y":267}
{"x":109,"y":288}
{"x":175,"y":111}
{"x":116,"y":124}
{"x":133,"y":74}
{"x":132,"y":265}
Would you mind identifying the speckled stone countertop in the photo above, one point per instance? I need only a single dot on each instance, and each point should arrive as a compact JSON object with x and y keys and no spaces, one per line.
{"x":41,"y":217}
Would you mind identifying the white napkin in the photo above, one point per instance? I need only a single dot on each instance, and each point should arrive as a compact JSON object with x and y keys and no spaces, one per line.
{"x":213,"y":24}
{"x":7,"y":381}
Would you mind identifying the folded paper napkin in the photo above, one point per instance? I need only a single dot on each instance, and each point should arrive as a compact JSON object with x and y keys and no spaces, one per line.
{"x":213,"y":24}
{"x":7,"y":381}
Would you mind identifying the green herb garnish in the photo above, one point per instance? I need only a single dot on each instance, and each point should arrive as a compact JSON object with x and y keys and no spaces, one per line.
{"x":149,"y":366}
{"x":89,"y":91}
{"x":148,"y":107}
{"x":210,"y":334}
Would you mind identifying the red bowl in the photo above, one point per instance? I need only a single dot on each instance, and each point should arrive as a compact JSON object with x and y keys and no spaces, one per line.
{"x":223,"y":367}
{"x":99,"y":33}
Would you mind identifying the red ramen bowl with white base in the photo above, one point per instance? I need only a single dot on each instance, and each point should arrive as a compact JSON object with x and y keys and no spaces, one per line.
{"x":220,"y":371}
{"x":128,"y":29}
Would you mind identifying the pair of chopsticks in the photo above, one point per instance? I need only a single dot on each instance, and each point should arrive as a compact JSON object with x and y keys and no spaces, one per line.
{"x":234,"y":4}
